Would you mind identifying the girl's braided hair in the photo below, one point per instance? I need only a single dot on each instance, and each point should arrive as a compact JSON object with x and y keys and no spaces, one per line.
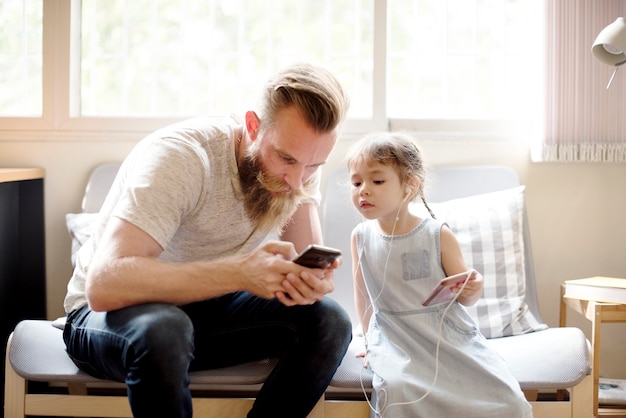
{"x":395,"y":149}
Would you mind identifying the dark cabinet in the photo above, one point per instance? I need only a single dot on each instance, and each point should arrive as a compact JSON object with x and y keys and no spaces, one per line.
{"x":22,"y":250}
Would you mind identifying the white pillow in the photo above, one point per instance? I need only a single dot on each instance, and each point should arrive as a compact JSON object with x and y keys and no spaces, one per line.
{"x":79,"y":225}
{"x":490,"y":228}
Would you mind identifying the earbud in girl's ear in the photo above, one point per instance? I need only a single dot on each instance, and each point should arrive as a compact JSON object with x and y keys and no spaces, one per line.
{"x":407,"y":192}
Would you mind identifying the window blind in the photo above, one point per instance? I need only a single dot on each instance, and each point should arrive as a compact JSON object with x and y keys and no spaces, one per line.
{"x":584,"y":121}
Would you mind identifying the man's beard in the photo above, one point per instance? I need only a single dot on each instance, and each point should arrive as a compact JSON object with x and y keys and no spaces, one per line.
{"x":265,"y":200}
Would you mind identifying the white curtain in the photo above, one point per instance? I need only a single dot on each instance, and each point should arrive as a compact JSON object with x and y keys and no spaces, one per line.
{"x":583,"y":120}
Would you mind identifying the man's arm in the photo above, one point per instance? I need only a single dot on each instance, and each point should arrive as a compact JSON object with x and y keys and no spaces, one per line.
{"x":304,"y":227}
{"x":125,"y":271}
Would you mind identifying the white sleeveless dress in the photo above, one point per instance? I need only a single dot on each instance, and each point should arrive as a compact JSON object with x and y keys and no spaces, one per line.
{"x":472,"y":380}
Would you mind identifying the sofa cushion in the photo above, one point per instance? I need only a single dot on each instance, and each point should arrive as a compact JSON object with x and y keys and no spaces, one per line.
{"x":489,"y":228}
{"x":555,"y":358}
{"x":37,"y":352}
{"x":79,"y":225}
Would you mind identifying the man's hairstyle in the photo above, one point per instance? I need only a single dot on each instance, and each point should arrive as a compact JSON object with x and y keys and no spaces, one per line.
{"x":314,"y":91}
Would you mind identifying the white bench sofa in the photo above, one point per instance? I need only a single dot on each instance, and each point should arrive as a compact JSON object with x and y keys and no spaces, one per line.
{"x":553,"y":361}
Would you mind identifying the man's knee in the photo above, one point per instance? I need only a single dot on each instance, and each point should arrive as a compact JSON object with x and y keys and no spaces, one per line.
{"x":163,"y":333}
{"x":336,"y":322}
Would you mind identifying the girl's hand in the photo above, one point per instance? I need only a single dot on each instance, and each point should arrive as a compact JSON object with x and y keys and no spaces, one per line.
{"x":362,"y":355}
{"x":473,"y":289}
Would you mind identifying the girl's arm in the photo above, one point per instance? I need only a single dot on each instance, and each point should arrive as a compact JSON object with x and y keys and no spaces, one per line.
{"x":452,"y":262}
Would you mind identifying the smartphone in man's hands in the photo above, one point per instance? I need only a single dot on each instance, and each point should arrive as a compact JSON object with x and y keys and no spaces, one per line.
{"x":317,"y":256}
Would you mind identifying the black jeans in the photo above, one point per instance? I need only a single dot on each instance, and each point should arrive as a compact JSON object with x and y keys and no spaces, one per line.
{"x":152,"y":347}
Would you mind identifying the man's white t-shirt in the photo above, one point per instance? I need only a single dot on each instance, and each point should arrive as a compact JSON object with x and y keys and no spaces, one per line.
{"x":180,"y":185}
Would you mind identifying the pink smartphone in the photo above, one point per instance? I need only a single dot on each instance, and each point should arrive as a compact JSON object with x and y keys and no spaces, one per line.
{"x":442,"y":292}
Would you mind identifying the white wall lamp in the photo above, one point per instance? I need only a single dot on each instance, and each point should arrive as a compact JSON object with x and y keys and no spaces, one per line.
{"x":610,"y":45}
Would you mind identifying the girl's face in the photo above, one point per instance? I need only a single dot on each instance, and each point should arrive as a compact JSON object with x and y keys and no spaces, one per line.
{"x":377,"y":191}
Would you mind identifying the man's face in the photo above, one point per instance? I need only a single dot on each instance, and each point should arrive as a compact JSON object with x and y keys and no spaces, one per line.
{"x":277,"y":166}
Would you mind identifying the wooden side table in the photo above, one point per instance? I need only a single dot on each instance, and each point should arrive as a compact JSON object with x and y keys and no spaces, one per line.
{"x":598,"y":313}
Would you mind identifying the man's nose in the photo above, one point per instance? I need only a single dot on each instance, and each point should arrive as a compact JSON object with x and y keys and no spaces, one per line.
{"x":294,"y":176}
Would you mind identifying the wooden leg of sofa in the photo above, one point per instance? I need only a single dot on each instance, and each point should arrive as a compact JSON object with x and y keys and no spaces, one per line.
{"x":318,"y":410}
{"x":531,"y":395}
{"x":581,"y":398}
{"x":14,"y":390}
{"x":342,"y":409}
{"x":77,"y":389}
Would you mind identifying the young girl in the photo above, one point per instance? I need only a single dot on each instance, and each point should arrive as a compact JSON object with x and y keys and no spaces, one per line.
{"x":427,"y":361}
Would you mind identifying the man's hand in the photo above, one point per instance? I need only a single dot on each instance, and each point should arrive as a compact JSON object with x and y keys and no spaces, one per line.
{"x":263,"y":271}
{"x":306,"y":286}
{"x":267,"y":272}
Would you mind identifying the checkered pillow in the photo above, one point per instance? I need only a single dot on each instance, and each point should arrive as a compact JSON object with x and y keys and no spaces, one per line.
{"x":489,"y":228}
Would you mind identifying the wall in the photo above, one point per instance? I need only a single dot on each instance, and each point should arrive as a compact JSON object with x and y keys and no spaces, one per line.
{"x":575,"y":210}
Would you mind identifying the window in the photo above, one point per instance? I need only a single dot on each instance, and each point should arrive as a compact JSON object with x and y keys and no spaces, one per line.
{"x":460,"y":59}
{"x":20,"y":58}
{"x":125,"y":65}
{"x":180,"y":58}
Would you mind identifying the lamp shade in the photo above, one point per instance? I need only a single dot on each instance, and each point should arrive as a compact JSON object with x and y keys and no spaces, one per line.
{"x":610,"y":45}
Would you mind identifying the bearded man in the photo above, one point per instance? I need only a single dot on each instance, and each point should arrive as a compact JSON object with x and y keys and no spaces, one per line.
{"x":179,"y":274}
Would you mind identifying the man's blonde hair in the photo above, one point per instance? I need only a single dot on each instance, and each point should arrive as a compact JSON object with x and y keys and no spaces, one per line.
{"x":314,"y":91}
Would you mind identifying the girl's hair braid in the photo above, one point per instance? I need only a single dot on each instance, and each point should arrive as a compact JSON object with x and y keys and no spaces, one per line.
{"x":432,"y":214}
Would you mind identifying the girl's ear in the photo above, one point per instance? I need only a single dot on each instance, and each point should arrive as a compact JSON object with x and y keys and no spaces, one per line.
{"x":412,"y":186}
{"x":253,"y":123}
